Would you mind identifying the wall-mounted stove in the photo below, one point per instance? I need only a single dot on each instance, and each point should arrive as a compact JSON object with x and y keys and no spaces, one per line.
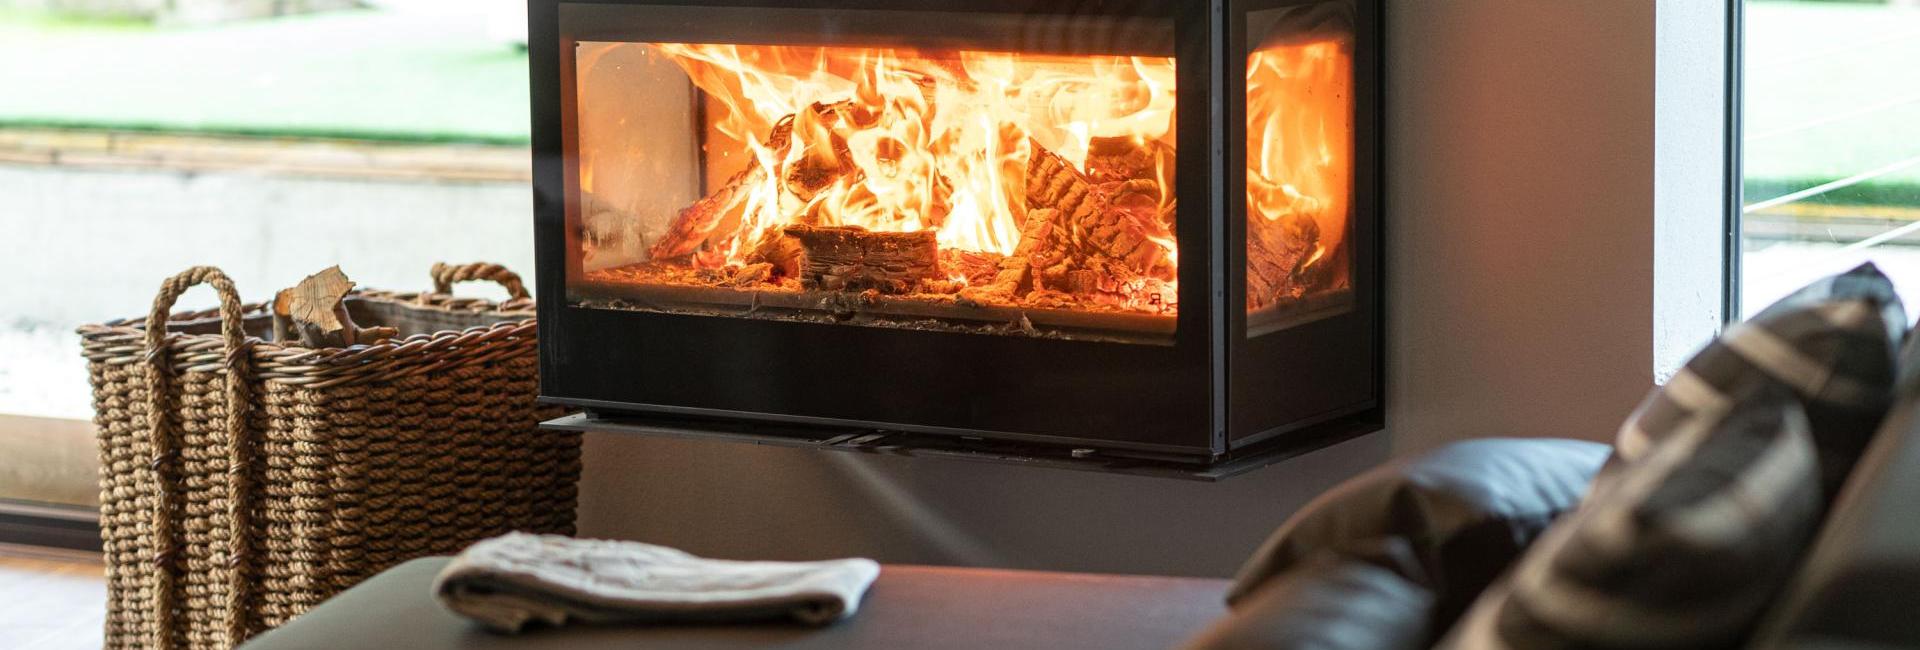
{"x":1144,"y":230}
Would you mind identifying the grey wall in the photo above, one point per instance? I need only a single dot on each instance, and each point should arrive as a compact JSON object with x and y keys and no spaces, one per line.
{"x":1520,"y":184}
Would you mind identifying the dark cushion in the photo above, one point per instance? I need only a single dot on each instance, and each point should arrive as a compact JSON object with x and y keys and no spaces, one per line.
{"x":1682,"y":549}
{"x":1857,"y":585}
{"x":1465,"y":511}
{"x":1832,"y":343}
{"x":1331,"y":602}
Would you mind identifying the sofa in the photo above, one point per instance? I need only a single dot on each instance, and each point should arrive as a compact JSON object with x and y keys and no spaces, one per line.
{"x":1855,"y":590}
{"x":1761,"y":498}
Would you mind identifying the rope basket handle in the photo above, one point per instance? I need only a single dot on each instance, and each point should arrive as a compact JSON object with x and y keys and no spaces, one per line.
{"x":444,"y":275}
{"x":233,"y":335}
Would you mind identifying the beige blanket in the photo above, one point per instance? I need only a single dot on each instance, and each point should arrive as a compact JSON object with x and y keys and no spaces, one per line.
{"x":506,"y":581}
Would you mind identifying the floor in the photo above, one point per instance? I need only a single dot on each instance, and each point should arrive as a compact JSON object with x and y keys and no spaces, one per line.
{"x":54,"y":600}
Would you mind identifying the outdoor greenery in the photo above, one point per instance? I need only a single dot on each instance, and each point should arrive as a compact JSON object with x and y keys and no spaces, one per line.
{"x":1832,"y":88}
{"x":371,"y":73}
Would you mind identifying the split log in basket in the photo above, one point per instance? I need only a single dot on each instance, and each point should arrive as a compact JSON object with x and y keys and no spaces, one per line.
{"x":314,"y":312}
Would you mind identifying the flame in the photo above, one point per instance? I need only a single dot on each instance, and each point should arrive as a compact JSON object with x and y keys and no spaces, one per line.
{"x":1300,"y":138}
{"x":909,"y":140}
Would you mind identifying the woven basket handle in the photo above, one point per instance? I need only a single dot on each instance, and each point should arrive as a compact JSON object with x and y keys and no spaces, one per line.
{"x":233,"y":334}
{"x":444,"y":275}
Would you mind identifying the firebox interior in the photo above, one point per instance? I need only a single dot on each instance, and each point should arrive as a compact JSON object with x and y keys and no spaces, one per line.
{"x":988,"y":191}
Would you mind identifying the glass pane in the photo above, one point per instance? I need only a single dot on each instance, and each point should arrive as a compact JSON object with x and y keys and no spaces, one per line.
{"x":269,"y":139}
{"x":943,"y":188}
{"x":1832,"y":144}
{"x":1299,"y":162}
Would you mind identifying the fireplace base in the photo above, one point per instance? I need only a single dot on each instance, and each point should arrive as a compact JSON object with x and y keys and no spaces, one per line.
{"x":917,"y":445}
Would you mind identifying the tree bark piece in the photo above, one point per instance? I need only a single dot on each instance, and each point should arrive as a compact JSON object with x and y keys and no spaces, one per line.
{"x":849,"y":258}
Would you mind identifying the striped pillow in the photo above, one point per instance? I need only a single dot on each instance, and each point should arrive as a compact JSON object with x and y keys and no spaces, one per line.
{"x":1832,"y":343}
{"x":1683,"y":549}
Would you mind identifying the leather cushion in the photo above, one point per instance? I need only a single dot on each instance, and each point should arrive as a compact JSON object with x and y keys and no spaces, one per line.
{"x":1465,"y":511}
{"x":1331,"y":602}
{"x":1683,"y":549}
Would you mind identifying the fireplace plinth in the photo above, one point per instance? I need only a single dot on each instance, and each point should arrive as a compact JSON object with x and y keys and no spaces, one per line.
{"x":1076,"y":226}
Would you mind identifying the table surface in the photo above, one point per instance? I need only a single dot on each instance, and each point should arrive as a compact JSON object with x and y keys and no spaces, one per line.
{"x":908,"y":607}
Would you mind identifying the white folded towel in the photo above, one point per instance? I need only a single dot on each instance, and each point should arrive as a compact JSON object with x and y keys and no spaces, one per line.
{"x":506,"y":581}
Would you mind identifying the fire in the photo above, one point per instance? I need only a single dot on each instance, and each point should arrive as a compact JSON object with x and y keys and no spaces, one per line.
{"x":907,"y":140}
{"x":1299,"y":166}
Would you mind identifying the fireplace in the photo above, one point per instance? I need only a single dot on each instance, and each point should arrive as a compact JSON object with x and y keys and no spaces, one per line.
{"x":1143,"y":230}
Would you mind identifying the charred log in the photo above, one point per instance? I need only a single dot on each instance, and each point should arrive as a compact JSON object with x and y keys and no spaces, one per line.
{"x":1119,"y":220}
{"x":1013,"y":275}
{"x":1053,"y":183}
{"x":1115,"y":159}
{"x":1283,"y":259}
{"x":847,"y":258}
{"x":698,"y":222}
{"x":785,"y":253}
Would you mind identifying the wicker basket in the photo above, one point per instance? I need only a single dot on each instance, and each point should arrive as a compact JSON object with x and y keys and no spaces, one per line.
{"x":282,"y":474}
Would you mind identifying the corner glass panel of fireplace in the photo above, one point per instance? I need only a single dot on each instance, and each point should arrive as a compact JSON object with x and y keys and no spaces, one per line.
{"x":947,"y":187}
{"x":1300,"y":157}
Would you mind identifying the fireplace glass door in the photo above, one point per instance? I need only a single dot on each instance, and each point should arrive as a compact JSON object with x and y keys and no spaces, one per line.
{"x":1000,"y":174}
{"x":1300,"y":163}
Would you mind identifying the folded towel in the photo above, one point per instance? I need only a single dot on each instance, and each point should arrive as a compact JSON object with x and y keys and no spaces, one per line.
{"x":506,"y":581}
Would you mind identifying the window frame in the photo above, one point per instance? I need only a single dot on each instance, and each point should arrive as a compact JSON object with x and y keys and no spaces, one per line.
{"x":1736,"y":178}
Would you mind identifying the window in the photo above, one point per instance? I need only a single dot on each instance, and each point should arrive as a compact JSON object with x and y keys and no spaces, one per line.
{"x":1831,"y":149}
{"x":139,"y":138}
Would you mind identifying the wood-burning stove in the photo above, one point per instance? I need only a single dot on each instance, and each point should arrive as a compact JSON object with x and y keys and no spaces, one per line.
{"x":1131,"y":229}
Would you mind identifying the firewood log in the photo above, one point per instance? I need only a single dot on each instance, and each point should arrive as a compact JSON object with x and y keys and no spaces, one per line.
{"x":1014,"y":275}
{"x":849,"y":258}
{"x":1052,"y":182}
{"x":315,"y":312}
{"x":826,"y":160}
{"x":785,"y":253}
{"x":1117,"y":220}
{"x":698,"y":222}
{"x":1277,"y":250}
{"x":1111,"y":159}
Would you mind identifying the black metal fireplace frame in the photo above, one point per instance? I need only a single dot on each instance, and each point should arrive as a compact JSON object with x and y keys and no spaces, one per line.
{"x":1175,"y":402}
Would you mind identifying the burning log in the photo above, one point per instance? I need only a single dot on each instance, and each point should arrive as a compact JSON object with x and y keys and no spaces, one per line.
{"x":1014,"y":273}
{"x":698,"y":222}
{"x":1282,"y":258}
{"x":825,"y":157}
{"x":1115,"y":159}
{"x":825,"y":160}
{"x":849,"y":258}
{"x":1124,"y":227}
{"x":1117,"y":220}
{"x":751,"y":274}
{"x":785,"y":253}
{"x":1052,"y":182}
